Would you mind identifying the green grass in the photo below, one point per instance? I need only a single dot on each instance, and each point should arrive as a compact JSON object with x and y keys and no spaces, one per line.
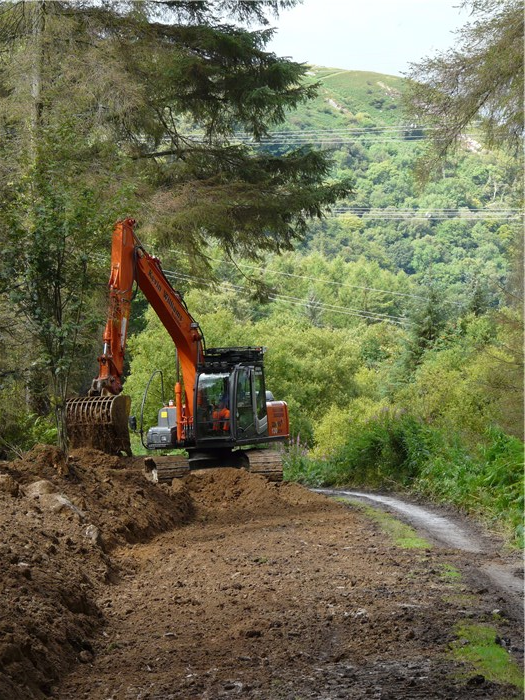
{"x":357,"y":92}
{"x":403,"y":535}
{"x":460,"y":599}
{"x":450,"y":573}
{"x":476,"y":646}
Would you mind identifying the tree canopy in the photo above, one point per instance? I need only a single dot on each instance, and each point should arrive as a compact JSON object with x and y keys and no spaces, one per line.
{"x":157,"y":91}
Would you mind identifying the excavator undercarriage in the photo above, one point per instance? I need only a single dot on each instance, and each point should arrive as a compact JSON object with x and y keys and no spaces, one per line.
{"x":163,"y":469}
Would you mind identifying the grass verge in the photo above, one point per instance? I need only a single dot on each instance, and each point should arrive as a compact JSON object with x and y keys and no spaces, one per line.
{"x":403,"y":535}
{"x":477,"y":646}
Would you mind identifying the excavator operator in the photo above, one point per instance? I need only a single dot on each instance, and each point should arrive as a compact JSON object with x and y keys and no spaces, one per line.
{"x":221,"y":418}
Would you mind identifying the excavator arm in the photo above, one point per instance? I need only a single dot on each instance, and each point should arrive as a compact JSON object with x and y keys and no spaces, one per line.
{"x":100,"y":420}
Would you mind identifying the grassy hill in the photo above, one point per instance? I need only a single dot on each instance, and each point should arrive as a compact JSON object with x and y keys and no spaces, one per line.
{"x":349,"y":99}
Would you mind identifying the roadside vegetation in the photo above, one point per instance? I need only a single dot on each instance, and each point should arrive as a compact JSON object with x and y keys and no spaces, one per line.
{"x":481,"y":647}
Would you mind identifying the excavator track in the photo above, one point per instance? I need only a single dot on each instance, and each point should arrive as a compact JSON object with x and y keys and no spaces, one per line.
{"x":163,"y":469}
{"x":267,"y":463}
{"x":100,"y":422}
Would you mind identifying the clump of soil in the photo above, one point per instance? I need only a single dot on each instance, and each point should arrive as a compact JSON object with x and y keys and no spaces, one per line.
{"x":110,"y":494}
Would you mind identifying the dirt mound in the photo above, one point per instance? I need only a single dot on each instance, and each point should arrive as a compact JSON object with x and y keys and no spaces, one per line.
{"x":106,"y":493}
{"x":43,"y":460}
{"x":230,"y":494}
{"x":60,"y":519}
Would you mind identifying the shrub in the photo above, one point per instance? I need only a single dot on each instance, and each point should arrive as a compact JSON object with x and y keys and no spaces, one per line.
{"x":386,"y":451}
{"x":487,"y":482}
{"x":298,"y":466}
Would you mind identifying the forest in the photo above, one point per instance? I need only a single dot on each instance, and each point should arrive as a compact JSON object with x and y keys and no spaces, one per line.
{"x":315,"y":211}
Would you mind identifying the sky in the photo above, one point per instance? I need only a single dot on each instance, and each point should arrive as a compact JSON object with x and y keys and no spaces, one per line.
{"x":382,"y":36}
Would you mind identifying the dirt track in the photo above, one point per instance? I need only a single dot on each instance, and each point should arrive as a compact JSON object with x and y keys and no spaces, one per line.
{"x":225,"y":586}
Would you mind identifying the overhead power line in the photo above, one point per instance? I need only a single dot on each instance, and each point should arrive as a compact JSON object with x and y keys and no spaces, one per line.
{"x":317,"y":279}
{"x":432,"y":209}
{"x":296,"y":301}
{"x":430,"y":217}
{"x":333,"y":307}
{"x":345,"y":313}
{"x":326,"y":140}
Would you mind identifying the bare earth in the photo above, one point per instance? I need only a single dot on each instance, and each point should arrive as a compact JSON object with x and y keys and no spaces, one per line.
{"x":223,"y":586}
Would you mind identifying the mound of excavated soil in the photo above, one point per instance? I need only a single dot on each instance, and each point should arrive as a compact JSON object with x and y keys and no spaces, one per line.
{"x":61,"y":519}
{"x":106,"y":494}
{"x":233,"y":494}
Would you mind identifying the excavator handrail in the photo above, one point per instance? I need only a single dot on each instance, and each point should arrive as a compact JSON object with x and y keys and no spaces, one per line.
{"x":143,"y":402}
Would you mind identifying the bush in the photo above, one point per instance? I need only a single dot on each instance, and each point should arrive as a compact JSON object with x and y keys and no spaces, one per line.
{"x":25,"y":430}
{"x":298,"y":466}
{"x":487,"y":482}
{"x":386,"y":451}
{"x":394,"y":450}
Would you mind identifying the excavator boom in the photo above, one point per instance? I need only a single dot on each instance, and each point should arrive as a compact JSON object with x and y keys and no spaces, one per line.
{"x":100,"y":420}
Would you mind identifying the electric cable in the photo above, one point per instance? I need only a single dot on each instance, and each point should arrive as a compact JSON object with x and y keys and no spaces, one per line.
{"x":317,"y":279}
{"x":346,"y":311}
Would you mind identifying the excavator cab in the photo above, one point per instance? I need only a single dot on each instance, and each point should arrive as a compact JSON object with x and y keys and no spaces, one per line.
{"x":230,"y":398}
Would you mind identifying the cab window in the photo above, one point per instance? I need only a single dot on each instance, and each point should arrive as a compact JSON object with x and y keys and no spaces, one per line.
{"x":212,"y":394}
{"x":245,"y":417}
{"x":260,"y":393}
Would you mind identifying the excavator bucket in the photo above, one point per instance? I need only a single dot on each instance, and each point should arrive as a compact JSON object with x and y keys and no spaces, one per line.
{"x":100,"y":422}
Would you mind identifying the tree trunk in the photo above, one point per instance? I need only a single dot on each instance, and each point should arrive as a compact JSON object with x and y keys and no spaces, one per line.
{"x":38,"y":13}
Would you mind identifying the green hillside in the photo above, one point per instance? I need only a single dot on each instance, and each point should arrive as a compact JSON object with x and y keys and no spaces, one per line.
{"x":454,"y":233}
{"x":345,"y":97}
{"x":391,"y":333}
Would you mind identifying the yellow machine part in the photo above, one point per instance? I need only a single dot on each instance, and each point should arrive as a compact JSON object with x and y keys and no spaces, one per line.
{"x":100,"y":422}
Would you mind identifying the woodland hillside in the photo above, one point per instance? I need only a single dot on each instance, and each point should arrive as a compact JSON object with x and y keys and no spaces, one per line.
{"x":393,"y":328}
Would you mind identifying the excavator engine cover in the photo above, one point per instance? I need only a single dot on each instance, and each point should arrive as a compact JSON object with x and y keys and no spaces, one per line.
{"x":163,"y":435}
{"x":100,"y":422}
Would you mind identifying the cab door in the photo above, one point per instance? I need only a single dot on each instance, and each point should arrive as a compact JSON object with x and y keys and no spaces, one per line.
{"x":250,"y":403}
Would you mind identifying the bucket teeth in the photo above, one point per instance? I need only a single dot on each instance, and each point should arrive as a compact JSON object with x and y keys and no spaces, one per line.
{"x":100,"y":422}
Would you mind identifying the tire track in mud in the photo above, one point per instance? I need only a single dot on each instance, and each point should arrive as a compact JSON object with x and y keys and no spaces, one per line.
{"x":506,"y":576}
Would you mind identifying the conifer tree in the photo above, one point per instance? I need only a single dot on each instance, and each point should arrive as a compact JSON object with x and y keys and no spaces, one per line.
{"x":479,"y":80}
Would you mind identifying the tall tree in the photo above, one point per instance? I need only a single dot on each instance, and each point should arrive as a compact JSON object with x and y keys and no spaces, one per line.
{"x":480,"y":79}
{"x":110,"y":108}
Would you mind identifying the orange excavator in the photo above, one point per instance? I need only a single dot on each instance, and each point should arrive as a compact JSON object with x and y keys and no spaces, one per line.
{"x":221,"y":411}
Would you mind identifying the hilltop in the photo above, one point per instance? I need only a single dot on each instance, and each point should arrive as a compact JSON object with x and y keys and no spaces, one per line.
{"x":349,"y":98}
